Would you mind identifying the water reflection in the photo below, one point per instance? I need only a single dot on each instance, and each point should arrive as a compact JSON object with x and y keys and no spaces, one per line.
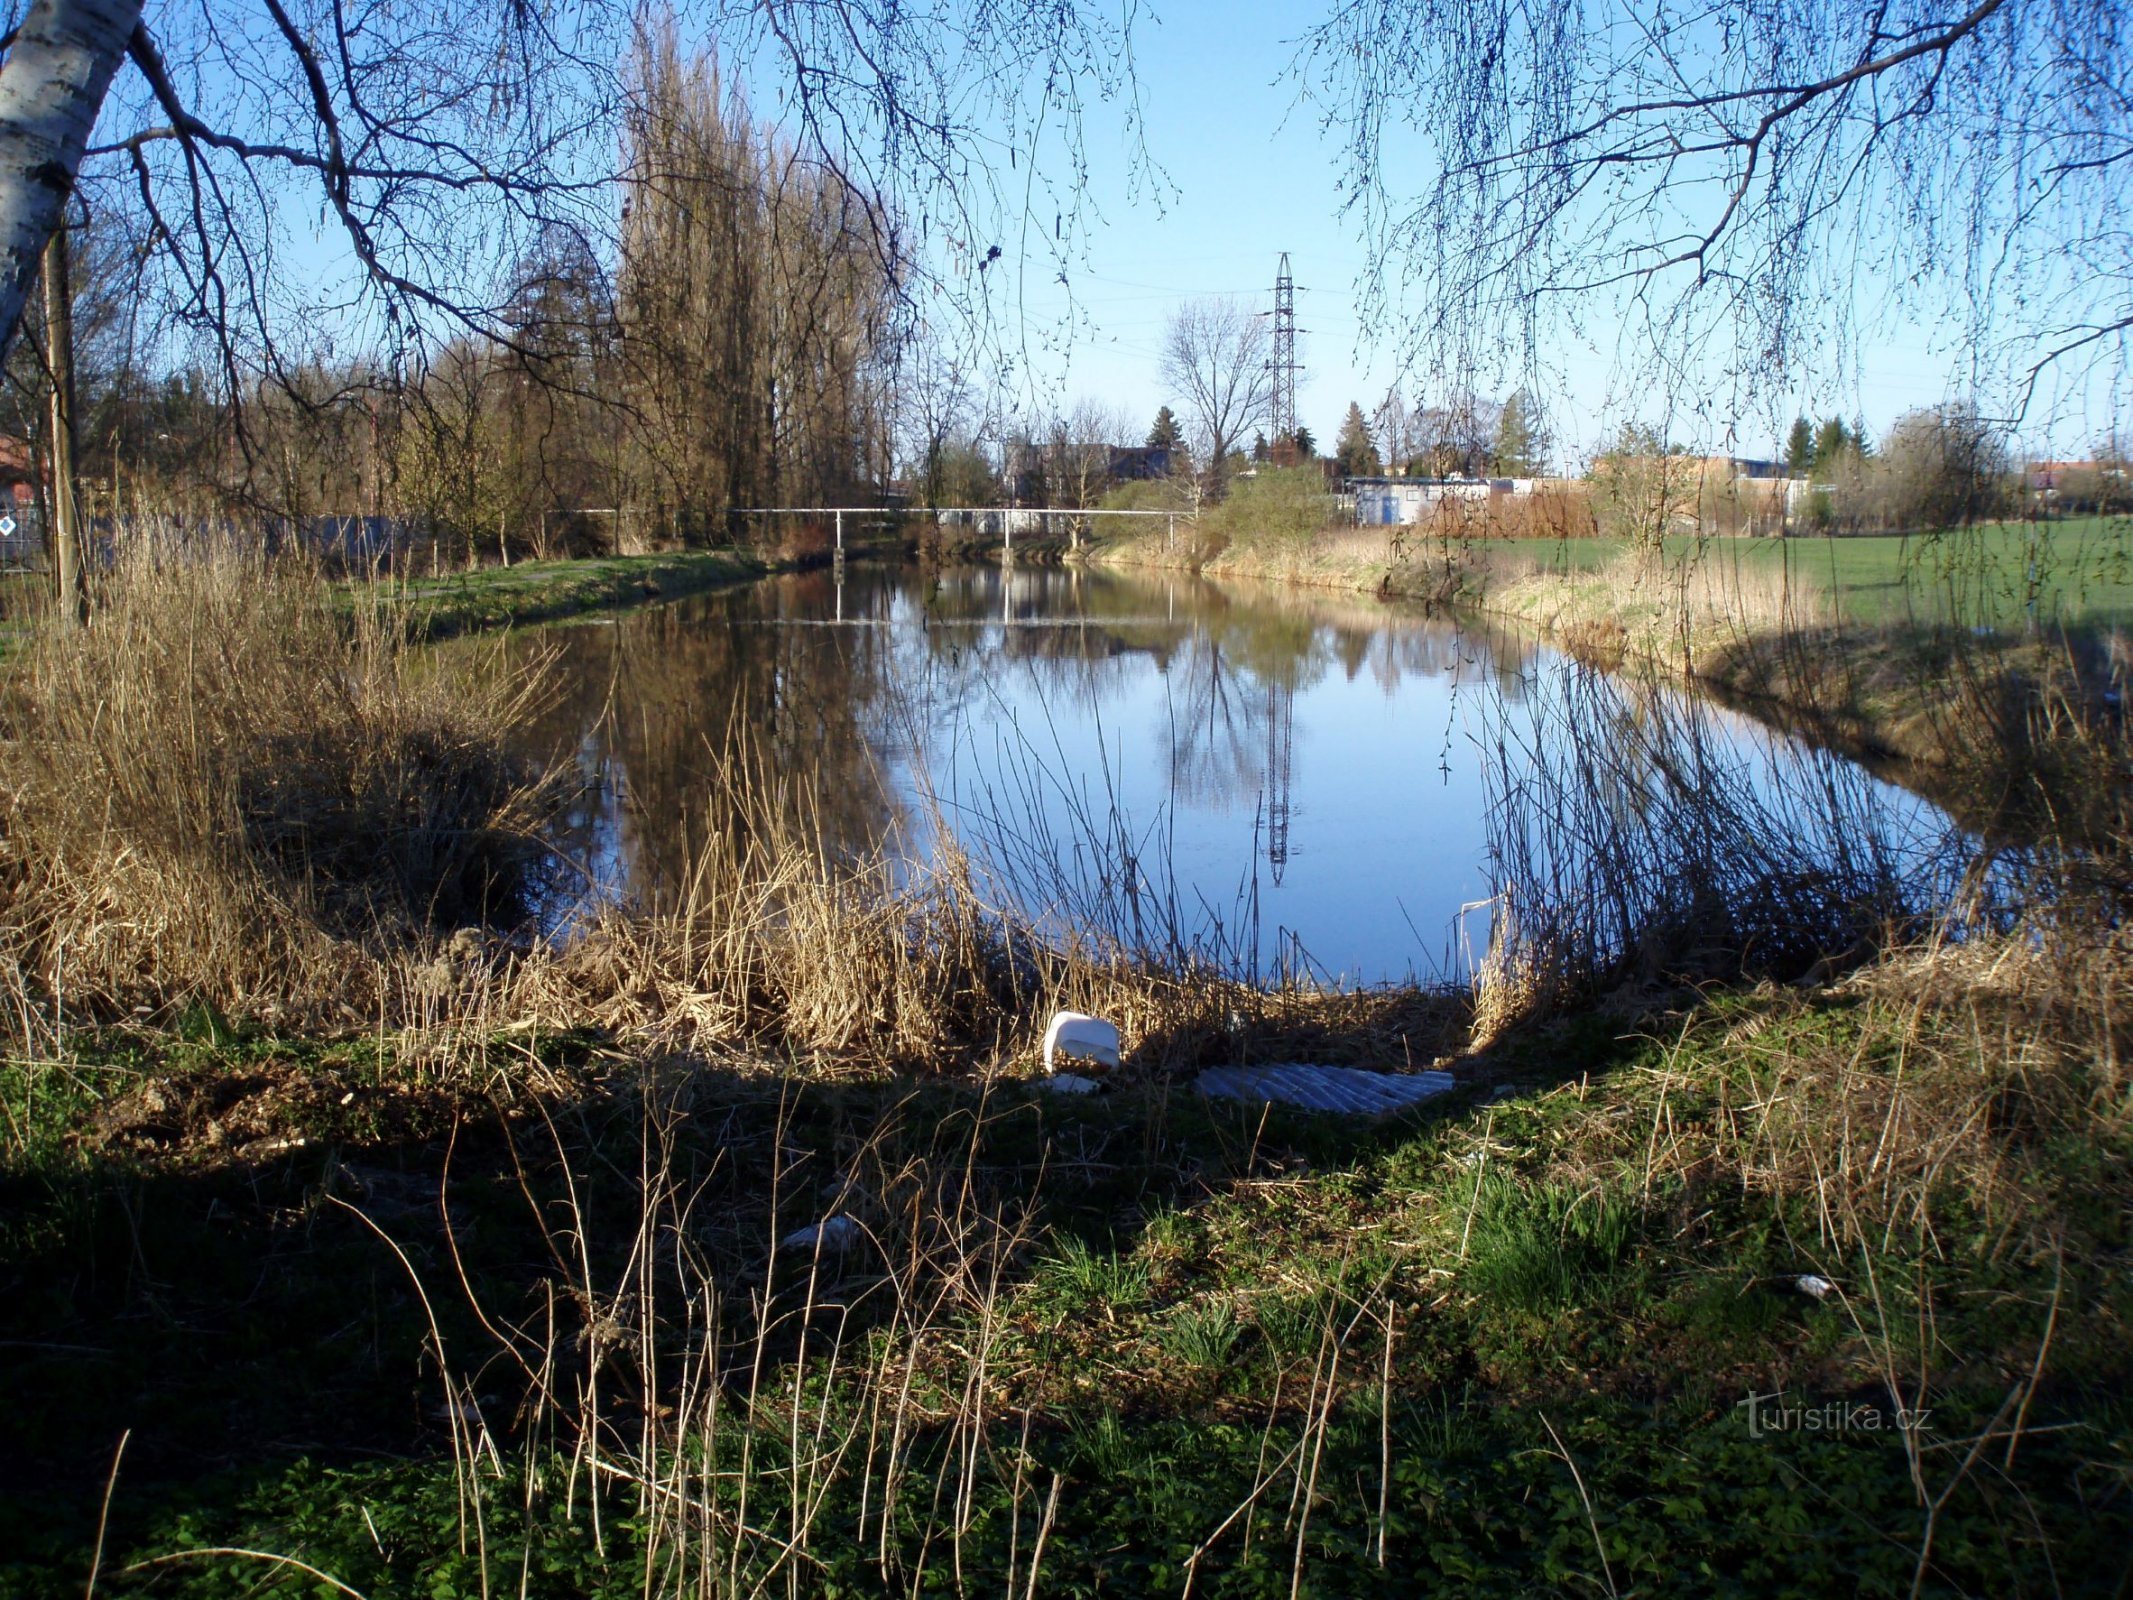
{"x":1307,"y":773}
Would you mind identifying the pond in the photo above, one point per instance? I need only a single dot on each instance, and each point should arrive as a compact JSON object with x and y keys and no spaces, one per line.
{"x":1297,"y":780}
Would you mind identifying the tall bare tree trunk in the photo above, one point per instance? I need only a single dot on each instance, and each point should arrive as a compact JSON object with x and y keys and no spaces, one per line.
{"x":64,"y":535}
{"x":51,"y":86}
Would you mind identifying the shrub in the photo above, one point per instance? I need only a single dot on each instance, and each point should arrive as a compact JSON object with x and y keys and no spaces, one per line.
{"x":1280,"y":507}
{"x":1642,"y":490}
{"x":1151,"y":494}
{"x":1551,"y":511}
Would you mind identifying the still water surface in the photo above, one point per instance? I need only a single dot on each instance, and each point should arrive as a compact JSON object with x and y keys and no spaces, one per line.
{"x":1308,"y":778}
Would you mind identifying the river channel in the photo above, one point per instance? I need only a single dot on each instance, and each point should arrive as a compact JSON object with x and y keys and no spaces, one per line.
{"x":1297,"y":779}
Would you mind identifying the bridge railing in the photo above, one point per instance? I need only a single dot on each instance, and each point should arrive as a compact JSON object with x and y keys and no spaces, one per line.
{"x":991,"y":522}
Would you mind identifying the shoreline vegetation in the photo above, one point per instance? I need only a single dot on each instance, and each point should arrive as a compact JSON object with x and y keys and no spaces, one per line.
{"x":1915,"y":656}
{"x":354,"y":1228}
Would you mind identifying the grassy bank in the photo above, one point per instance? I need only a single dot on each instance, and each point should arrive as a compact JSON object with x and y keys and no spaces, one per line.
{"x":2020,"y":734}
{"x":357,"y":1238}
{"x":2076,"y":572}
{"x":548,"y":591}
{"x":523,"y":1320}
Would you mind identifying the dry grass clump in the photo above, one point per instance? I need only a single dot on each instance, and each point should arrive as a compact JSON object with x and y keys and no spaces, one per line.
{"x":1692,"y":614}
{"x":1551,"y":511}
{"x":1949,"y":1110}
{"x":777,"y":946}
{"x":228,"y":789}
{"x":1714,"y":592}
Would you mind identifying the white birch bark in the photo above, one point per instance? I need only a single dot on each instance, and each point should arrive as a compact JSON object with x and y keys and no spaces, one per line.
{"x":51,"y":87}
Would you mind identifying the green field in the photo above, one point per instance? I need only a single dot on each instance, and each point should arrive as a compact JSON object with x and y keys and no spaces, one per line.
{"x":2074,"y":572}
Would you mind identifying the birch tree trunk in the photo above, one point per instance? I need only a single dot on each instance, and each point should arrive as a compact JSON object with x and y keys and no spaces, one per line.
{"x":51,"y":86}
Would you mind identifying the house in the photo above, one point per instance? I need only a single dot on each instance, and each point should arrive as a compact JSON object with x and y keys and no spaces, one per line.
{"x":1751,"y":467}
{"x":2044,"y":479}
{"x":1131,"y":462}
{"x":1387,"y":502}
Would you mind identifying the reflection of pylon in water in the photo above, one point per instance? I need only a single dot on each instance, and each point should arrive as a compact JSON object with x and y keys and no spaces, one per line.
{"x":1280,"y":730}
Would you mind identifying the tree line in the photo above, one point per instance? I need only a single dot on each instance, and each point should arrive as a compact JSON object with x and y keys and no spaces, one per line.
{"x":734,"y":350}
{"x":1936,"y":467}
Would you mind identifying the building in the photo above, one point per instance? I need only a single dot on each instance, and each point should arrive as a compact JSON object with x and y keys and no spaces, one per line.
{"x":1750,"y":467}
{"x":1388,"y":502}
{"x":15,"y":472}
{"x":1133,"y":462}
{"x":2045,"y":479}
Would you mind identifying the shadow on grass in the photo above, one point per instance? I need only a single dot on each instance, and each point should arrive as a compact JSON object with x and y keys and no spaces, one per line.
{"x":1172,"y":1310}
{"x":184,"y":1261}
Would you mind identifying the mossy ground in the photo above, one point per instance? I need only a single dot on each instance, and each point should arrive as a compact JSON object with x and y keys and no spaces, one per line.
{"x":1503,"y":1345}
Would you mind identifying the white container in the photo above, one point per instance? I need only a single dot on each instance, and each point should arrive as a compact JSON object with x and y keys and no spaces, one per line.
{"x":1090,"y":1041}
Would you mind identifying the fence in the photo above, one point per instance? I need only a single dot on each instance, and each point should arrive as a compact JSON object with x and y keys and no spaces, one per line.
{"x":21,"y":541}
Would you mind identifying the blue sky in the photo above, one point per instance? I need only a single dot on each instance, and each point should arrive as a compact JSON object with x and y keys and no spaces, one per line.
{"x":1240,"y":171}
{"x":1251,"y":174}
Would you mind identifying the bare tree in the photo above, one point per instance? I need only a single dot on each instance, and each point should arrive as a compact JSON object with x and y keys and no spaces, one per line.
{"x":441,"y":140}
{"x":1082,"y":442}
{"x":1215,"y":358}
{"x":1737,"y":175}
{"x":1395,"y":428}
{"x":1454,"y":437}
{"x":1643,"y":489}
{"x":943,"y":418}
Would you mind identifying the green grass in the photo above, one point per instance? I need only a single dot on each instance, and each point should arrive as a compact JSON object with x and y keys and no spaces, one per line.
{"x":1538,"y":1247}
{"x":2075,"y":572}
{"x":500,"y":597}
{"x":2079,"y":571}
{"x":548,"y":591}
{"x":1505,"y":1343}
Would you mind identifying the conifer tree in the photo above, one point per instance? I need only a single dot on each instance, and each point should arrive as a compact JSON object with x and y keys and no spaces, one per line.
{"x":1800,"y":448}
{"x":1520,"y":445}
{"x":1353,"y":449}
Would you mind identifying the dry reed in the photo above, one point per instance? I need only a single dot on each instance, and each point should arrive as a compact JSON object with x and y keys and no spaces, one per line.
{"x":232,"y":790}
{"x":1634,"y":839}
